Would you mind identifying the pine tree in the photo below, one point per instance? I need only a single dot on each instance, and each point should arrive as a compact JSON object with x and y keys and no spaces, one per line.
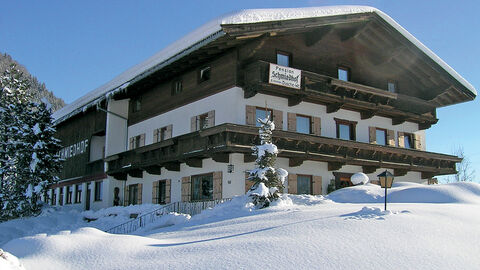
{"x":268,"y":180}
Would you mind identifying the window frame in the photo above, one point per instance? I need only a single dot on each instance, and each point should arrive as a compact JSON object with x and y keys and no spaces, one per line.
{"x":160,"y":195}
{"x":345,"y":68}
{"x":53,"y":199}
{"x":395,"y":86}
{"x":175,"y":90}
{"x":97,"y":196}
{"x":351,"y":124}
{"x":410,"y":141}
{"x":78,"y":193}
{"x":257,"y":124}
{"x":133,"y":190}
{"x":136,"y":104}
{"x":385,"y":143}
{"x":310,"y":123}
{"x":60,"y":195}
{"x":284,"y":53}
{"x":201,"y":71}
{"x":311,"y":183}
{"x":69,"y":194}
{"x":202,"y":121}
{"x":210,"y":175}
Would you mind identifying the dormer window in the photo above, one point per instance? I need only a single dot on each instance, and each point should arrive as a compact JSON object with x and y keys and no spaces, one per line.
{"x":343,"y":74}
{"x":392,"y":87}
{"x":177,"y":87}
{"x":204,"y":74}
{"x":283,"y":59}
{"x":137,"y":105}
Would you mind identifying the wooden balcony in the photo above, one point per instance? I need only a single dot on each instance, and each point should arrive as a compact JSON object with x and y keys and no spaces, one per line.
{"x":217,"y":142}
{"x":337,"y":94}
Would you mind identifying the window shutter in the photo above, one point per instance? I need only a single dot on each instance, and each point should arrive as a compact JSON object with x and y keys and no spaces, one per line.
{"x":401,"y":139}
{"x":193,"y":124}
{"x":186,"y":189}
{"x":317,"y":185}
{"x":217,"y":185}
{"x":168,"y":190}
{"x":211,"y":118}
{"x":155,"y":192}
{"x":126,"y":196}
{"x":139,"y":194}
{"x":169,"y":132}
{"x":291,"y":122}
{"x":250,"y":115}
{"x":278,"y":119}
{"x":248,"y":183}
{"x":131,"y":143}
{"x":417,"y":141}
{"x":372,"y":134}
{"x":391,"y":137}
{"x":316,"y":126}
{"x":292,"y":183}
{"x":155,"y":135}
{"x":142,"y":140}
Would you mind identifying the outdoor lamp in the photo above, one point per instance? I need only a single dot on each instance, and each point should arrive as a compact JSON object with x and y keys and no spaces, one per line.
{"x":386,"y":181}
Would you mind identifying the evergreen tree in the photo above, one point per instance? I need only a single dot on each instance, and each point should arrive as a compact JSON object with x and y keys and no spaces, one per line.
{"x":268,"y":180}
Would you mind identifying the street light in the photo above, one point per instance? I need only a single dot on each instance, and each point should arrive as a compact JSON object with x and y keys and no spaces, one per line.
{"x":386,"y":181}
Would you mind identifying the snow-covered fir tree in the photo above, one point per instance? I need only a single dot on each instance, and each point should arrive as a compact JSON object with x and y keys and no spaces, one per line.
{"x":28,"y":160}
{"x":268,"y":180}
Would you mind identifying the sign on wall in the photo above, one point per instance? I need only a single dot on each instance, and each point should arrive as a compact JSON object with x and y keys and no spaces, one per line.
{"x":285,"y":76}
{"x":74,"y":149}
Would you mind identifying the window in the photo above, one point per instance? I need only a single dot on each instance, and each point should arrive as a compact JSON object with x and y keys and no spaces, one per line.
{"x":381,"y":136}
{"x":392,"y":87}
{"x":54,"y":197}
{"x":98,"y":191}
{"x":161,"y":134}
{"x":343,"y":74}
{"x":161,"y":195}
{"x":346,"y":129}
{"x":202,"y":187}
{"x":408,"y":140}
{"x":137,"y":105}
{"x":203,"y":121}
{"x":177,"y":87}
{"x":78,"y":193}
{"x":137,"y":141}
{"x":204,"y":74}
{"x":199,"y":122}
{"x":60,"y":199}
{"x":304,"y":184}
{"x":283,"y":59}
{"x":304,"y":124}
{"x":133,"y":194}
{"x":69,"y":195}
{"x":262,"y":113}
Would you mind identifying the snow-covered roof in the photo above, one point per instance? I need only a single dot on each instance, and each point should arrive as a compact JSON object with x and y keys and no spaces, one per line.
{"x":213,"y":30}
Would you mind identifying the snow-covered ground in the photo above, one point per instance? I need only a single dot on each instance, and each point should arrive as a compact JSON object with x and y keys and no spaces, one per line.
{"x":426,"y":227}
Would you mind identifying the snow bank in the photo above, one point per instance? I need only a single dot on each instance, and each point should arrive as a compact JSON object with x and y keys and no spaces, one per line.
{"x":405,"y":192}
{"x":9,"y":262}
{"x":359,"y":178}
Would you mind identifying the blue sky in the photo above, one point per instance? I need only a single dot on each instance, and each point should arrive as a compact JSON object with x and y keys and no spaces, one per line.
{"x":76,"y":46}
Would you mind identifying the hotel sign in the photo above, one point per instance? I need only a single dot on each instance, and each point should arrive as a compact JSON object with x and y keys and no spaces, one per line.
{"x":285,"y":76}
{"x":74,"y":149}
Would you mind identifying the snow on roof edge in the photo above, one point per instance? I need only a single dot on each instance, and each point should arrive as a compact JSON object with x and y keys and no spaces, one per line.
{"x":200,"y":35}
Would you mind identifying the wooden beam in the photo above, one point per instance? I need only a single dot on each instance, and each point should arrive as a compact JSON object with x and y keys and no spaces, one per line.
{"x":249,"y":158}
{"x":367,"y":114}
{"x":369,"y":169}
{"x":398,"y":120}
{"x":249,"y":91}
{"x":428,"y":175}
{"x":295,"y":162}
{"x":172,"y":166}
{"x":334,"y":166}
{"x":334,"y":107}
{"x":311,"y":38}
{"x":138,"y":173}
{"x":399,"y":172}
{"x":347,"y":34}
{"x":294,"y":100}
{"x":154,"y":169}
{"x":424,"y":125}
{"x":194,"y":162}
{"x":221,"y":157}
{"x":120,"y":176}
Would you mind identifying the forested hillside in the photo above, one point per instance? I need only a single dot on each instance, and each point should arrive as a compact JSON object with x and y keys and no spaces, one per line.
{"x":38,"y":89}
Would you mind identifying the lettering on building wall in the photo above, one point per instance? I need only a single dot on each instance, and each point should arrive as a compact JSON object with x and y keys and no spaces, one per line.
{"x":74,"y":149}
{"x":285,"y":76}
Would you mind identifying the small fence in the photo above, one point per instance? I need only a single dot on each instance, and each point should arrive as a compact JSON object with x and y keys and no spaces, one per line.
{"x":191,"y":208}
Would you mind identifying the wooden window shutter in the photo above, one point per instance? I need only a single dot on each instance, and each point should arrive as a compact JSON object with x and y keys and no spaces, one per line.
{"x":292,"y":183}
{"x":193,"y":123}
{"x":291,"y":122}
{"x":142,"y":140}
{"x":139,"y":194}
{"x":217,"y":185}
{"x":168,"y":190}
{"x":168,"y":135}
{"x":317,"y":185}
{"x":186,"y":189}
{"x":126,"y":196}
{"x":372,"y":134}
{"x":278,"y":119}
{"x":417,"y":141}
{"x":390,"y":137}
{"x":250,"y":115}
{"x":131,"y":143}
{"x":211,"y":118}
{"x":155,"y":135}
{"x":401,"y":139}
{"x":155,"y":192}
{"x":248,"y":183}
{"x":316,"y":126}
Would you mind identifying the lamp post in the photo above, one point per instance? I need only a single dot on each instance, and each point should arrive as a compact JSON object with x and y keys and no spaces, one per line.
{"x":386,"y":181}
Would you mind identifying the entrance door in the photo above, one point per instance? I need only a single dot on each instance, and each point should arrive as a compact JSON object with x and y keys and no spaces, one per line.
{"x":87,"y":200}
